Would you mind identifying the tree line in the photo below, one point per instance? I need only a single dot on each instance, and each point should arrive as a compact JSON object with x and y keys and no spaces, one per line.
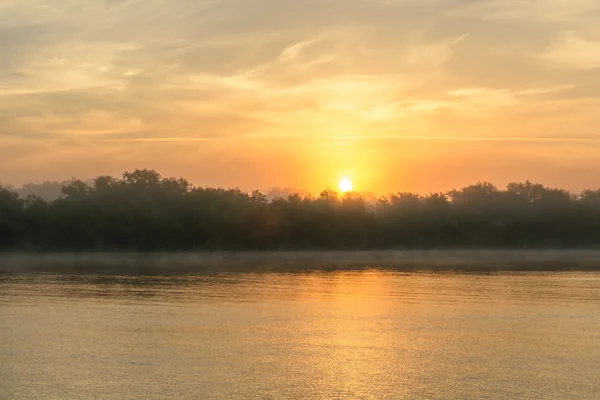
{"x":144,"y":212}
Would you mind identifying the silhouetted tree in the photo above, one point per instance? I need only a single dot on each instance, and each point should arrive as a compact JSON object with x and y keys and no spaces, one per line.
{"x":12,"y":212}
{"x":143,"y":211}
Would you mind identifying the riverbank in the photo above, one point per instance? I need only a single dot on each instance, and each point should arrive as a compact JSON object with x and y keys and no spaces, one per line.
{"x":289,"y":261}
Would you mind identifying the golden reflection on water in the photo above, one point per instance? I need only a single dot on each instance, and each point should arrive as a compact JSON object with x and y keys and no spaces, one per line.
{"x":362,"y":334}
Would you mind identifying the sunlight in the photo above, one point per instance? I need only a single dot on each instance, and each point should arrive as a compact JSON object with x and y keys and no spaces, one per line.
{"x":346,"y":185}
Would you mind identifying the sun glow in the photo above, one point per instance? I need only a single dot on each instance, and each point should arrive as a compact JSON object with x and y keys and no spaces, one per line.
{"x":346,"y":185}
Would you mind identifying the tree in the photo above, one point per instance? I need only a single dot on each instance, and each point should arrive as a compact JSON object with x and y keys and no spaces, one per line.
{"x":12,"y":224}
{"x":143,"y":211}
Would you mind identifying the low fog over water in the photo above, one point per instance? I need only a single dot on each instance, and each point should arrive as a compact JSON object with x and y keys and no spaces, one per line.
{"x":282,"y":261}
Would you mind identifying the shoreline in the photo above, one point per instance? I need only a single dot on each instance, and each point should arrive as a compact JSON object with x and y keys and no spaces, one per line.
{"x":290,"y":261}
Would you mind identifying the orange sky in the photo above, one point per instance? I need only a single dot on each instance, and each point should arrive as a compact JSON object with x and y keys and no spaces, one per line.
{"x":399,"y":95}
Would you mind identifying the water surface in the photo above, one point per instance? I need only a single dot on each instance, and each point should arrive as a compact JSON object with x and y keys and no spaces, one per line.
{"x":368,"y":334}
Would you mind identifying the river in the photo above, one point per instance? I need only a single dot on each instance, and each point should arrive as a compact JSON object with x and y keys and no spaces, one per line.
{"x":367,"y":334}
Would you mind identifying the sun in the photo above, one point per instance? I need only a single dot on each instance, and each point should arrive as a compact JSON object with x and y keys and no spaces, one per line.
{"x":346,"y":185}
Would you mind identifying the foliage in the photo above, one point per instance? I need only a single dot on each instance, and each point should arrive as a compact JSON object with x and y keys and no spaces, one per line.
{"x":143,"y":211}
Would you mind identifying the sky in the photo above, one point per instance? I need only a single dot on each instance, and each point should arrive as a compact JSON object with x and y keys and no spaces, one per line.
{"x":398,"y":95}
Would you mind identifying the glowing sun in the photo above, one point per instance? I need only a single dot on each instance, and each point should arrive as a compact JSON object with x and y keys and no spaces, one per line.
{"x":345,"y":185}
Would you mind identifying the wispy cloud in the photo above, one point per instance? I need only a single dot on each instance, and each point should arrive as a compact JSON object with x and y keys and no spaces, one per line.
{"x":573,"y":52}
{"x":524,"y":10}
{"x":291,"y":52}
{"x":128,"y":78}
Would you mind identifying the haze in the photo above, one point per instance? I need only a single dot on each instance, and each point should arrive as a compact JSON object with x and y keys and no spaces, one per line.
{"x":410,"y":95}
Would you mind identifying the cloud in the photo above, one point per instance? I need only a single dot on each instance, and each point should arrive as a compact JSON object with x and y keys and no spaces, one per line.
{"x":483,"y":97}
{"x":291,"y":52}
{"x":113,"y":75}
{"x":433,"y":55}
{"x":525,"y":10}
{"x":573,"y":52}
{"x":462,"y":100}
